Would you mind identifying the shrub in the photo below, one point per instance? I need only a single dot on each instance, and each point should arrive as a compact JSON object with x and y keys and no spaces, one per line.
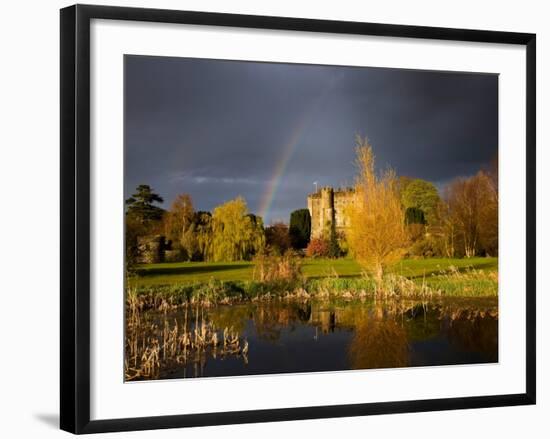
{"x":277,"y":237}
{"x":175,"y":255}
{"x":416,"y":232}
{"x":317,"y":248}
{"x":273,"y":268}
{"x":427,"y":247}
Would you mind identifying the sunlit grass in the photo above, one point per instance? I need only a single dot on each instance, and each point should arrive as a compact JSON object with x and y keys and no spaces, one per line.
{"x":452,"y":277}
{"x":193,"y":272}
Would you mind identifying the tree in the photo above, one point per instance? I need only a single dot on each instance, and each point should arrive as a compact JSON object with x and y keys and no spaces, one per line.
{"x":300,"y":228}
{"x":423,"y":195}
{"x":141,"y":205}
{"x":463,"y":209}
{"x":235,"y":235}
{"x":256,"y":241}
{"x":446,"y":231}
{"x":142,"y":218}
{"x":333,"y":246}
{"x":203,"y":235}
{"x":402,"y":182}
{"x":472,"y":213}
{"x":277,"y":237}
{"x":414,"y":215}
{"x":132,"y":231}
{"x":377,"y":235}
{"x":489,"y":236}
{"x":415,"y":223}
{"x":178,"y":224}
{"x":488,"y":217}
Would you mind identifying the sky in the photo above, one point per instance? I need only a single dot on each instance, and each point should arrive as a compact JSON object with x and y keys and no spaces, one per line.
{"x":269,"y":131}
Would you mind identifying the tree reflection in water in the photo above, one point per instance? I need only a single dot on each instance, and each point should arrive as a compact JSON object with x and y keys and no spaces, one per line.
{"x":296,"y":336}
{"x":473,"y":330}
{"x":379,"y":343}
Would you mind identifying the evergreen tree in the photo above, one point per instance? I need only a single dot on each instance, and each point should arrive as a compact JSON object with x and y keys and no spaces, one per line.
{"x":333,"y":247}
{"x":141,"y":205}
{"x":300,"y":228}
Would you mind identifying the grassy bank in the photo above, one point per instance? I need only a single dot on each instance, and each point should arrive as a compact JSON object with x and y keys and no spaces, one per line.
{"x":195,"y":272}
{"x":186,"y":273}
{"x":158,"y":285}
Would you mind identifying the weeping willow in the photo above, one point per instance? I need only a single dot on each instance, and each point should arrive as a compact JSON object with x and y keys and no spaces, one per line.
{"x":203,"y":236}
{"x":236,"y":234}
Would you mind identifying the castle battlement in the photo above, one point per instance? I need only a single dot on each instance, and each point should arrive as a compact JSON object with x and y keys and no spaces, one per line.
{"x":341,"y":191}
{"x":328,"y":205}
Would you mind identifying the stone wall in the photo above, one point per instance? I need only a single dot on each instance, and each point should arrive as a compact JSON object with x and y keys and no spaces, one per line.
{"x":150,"y":249}
{"x":327,"y":206}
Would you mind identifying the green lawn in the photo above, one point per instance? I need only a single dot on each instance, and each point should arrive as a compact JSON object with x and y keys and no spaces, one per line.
{"x":420,"y":268}
{"x":433,"y":270}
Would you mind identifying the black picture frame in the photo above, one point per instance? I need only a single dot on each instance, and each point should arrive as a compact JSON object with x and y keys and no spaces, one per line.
{"x":75,"y":217}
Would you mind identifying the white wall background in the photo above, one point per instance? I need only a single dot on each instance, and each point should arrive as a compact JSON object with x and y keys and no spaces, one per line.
{"x":29,"y":170}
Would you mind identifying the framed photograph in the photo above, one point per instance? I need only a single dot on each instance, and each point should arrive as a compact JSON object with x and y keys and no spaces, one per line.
{"x":267,"y":219}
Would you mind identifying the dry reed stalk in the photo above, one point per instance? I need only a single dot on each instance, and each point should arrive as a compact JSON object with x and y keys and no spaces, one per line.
{"x":152,"y":348}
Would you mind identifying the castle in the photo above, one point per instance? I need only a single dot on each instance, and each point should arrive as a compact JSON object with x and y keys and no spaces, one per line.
{"x":326,"y":206}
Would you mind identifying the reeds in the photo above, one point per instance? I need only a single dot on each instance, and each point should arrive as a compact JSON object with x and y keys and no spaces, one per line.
{"x":284,"y":269}
{"x":288,"y":283}
{"x":152,"y":348}
{"x":467,"y":282}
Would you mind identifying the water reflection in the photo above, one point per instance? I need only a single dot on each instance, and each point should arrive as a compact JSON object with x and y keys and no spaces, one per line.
{"x":379,"y":343}
{"x":306,"y":336}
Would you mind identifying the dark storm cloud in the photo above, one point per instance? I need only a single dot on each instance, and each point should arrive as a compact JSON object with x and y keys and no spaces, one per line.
{"x":218,"y":129}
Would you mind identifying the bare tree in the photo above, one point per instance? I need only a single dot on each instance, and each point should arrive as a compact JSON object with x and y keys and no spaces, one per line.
{"x":178,"y":220}
{"x":472,"y":214}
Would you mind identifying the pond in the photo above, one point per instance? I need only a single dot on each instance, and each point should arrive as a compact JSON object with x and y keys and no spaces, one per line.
{"x":290,"y":336}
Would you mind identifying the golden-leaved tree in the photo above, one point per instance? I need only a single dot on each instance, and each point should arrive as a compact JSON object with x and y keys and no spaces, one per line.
{"x":236,"y":235}
{"x":377,"y":236}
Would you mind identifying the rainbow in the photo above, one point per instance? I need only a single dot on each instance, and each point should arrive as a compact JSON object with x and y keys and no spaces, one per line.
{"x":278,"y":171}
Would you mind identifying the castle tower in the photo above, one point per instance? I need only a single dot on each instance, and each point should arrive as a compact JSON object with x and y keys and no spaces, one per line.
{"x":321,"y":209}
{"x":328,"y":206}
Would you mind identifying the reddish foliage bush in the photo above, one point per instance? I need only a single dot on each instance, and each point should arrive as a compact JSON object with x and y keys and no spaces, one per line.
{"x":318,"y":247}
